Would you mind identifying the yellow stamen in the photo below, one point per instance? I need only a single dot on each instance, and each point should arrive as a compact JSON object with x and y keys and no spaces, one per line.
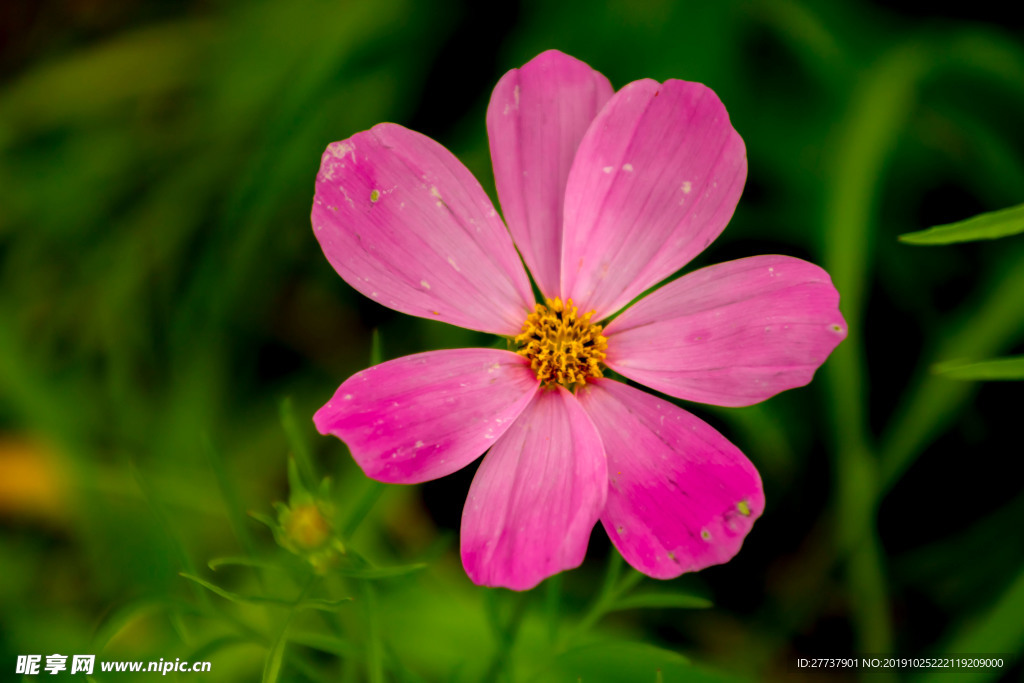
{"x":563,"y":347}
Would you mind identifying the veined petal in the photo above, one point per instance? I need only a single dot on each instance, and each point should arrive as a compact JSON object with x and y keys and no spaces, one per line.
{"x":535,"y":121}
{"x":731,"y":334}
{"x":424,"y":416}
{"x":681,"y":497}
{"x":406,"y":224}
{"x":655,"y":180}
{"x":536,"y":497}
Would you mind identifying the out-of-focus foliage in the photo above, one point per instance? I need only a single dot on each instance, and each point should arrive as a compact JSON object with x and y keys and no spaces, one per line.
{"x":986,"y":226}
{"x":161,"y":294}
{"x":1000,"y":368}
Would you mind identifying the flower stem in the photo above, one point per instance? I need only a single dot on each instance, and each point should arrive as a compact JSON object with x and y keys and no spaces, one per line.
{"x":614,"y":586}
{"x":500,"y":667}
{"x":371,"y":493}
{"x":374,"y":650}
{"x":552,"y":605}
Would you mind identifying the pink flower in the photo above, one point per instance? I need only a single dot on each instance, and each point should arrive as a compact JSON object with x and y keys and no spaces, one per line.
{"x":606,"y":194}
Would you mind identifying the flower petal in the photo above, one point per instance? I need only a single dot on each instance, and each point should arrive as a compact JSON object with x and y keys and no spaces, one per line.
{"x":536,"y":497}
{"x":731,"y":334}
{"x":425,"y":416}
{"x":406,"y":224}
{"x":535,"y":121}
{"x":656,"y":179}
{"x":681,"y":497}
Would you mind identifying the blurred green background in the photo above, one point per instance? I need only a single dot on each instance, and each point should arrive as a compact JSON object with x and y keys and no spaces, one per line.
{"x":161,"y":295}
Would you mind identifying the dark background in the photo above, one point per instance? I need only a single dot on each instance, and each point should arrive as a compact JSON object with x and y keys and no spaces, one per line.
{"x":161,"y":293}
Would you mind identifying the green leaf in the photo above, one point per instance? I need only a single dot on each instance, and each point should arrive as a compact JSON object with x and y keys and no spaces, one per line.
{"x":264,"y":519}
{"x":1011,"y":368}
{"x":355,"y":566}
{"x":307,"y":603}
{"x":283,"y":565}
{"x":987,"y":326}
{"x":660,"y":600}
{"x":614,"y":586}
{"x":986,"y":226}
{"x":296,"y":486}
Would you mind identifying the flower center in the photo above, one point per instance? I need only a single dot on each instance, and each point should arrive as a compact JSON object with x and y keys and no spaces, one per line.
{"x":563,"y":347}
{"x":307,"y":527}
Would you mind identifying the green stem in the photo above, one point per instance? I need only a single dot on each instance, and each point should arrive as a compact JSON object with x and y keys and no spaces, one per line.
{"x":878,"y":112}
{"x":501,"y":663}
{"x":275,"y":657}
{"x":552,"y":605}
{"x":297,"y":442}
{"x":614,"y":586}
{"x":372,"y":491}
{"x":375,"y":649}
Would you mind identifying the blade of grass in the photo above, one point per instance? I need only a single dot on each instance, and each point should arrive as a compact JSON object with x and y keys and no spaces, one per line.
{"x":660,"y":601}
{"x":164,"y":521}
{"x":229,"y":494}
{"x":989,"y":370}
{"x":986,"y":226}
{"x":985,"y":330}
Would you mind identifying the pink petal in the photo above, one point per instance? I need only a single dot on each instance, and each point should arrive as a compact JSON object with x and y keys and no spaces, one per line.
{"x":535,"y":121}
{"x":536,"y":497}
{"x":681,"y":496}
{"x":425,"y":416}
{"x":731,"y":334}
{"x":656,"y":178}
{"x":406,"y":224}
